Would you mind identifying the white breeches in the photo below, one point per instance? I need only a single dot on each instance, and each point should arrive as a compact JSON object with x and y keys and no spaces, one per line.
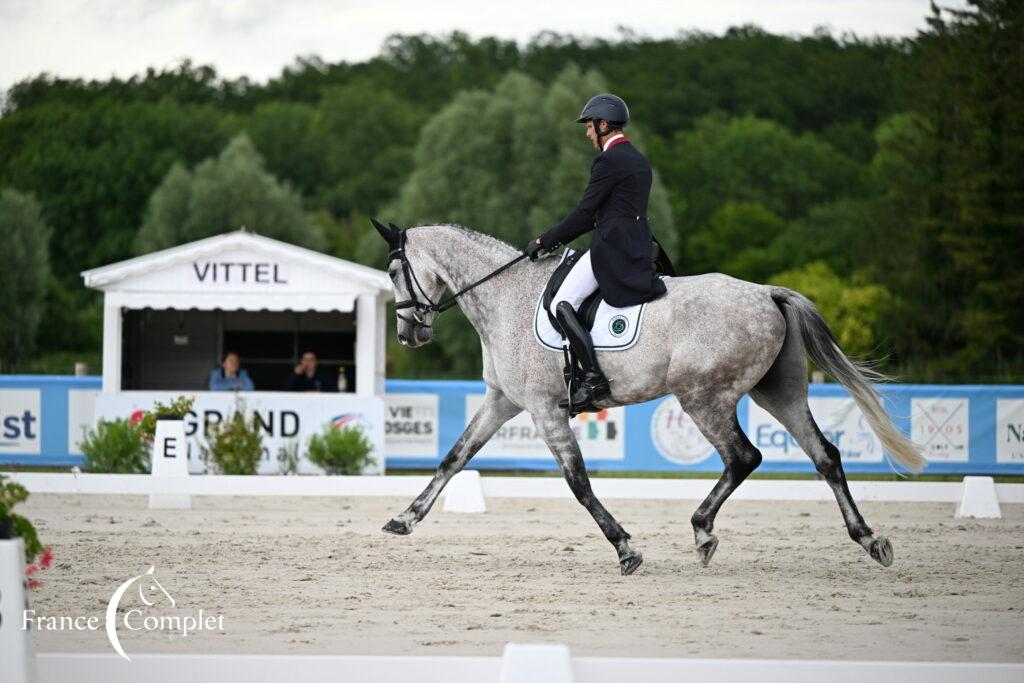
{"x":577,"y":285}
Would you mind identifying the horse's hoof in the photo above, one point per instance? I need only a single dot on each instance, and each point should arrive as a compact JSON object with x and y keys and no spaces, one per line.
{"x":629,"y":563}
{"x":398,"y":527}
{"x":706,"y":549}
{"x":881,"y":550}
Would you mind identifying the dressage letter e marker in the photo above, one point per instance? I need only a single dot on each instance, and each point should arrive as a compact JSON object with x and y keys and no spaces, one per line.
{"x":169,"y":471}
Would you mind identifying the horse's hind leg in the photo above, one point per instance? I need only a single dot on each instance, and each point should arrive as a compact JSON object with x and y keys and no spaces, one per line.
{"x":718,"y":423}
{"x":783,"y":393}
{"x":555,"y":430}
{"x":495,"y":411}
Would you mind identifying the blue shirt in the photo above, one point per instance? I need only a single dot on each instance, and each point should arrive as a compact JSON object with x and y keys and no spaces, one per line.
{"x":240,"y":382}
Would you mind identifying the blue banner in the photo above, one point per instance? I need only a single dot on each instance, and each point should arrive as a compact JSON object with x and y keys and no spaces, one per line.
{"x":961,"y":429}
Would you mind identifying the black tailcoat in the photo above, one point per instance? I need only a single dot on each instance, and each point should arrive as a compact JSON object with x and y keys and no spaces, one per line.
{"x":615,"y":202}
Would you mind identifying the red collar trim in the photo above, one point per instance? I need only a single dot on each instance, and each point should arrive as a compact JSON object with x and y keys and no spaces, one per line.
{"x":618,"y":141}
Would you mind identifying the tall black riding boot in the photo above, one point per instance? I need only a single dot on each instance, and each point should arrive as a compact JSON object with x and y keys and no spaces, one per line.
{"x":594,"y":386}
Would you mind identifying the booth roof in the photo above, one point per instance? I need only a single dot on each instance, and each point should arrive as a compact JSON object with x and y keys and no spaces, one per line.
{"x":100,"y":278}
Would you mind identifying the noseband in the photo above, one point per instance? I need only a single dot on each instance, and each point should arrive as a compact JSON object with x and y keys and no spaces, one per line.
{"x":420,"y":309}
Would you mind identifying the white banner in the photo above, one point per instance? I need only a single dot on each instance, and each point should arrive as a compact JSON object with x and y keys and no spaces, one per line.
{"x":285,"y":419}
{"x":602,"y":435}
{"x":411,"y":424}
{"x":19,"y":421}
{"x":81,"y":417}
{"x":939,"y":427}
{"x":839,"y":419}
{"x":676,"y":436}
{"x":1010,"y":430}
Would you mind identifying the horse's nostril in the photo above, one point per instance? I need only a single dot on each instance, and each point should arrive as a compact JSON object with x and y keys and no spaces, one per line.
{"x":402,"y":339}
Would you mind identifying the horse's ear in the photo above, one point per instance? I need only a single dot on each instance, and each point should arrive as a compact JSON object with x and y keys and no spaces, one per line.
{"x":391,"y":235}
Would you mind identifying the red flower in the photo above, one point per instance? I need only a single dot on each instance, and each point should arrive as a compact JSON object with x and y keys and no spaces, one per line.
{"x":47,"y":558}
{"x":32,"y":584}
{"x":29,"y":571}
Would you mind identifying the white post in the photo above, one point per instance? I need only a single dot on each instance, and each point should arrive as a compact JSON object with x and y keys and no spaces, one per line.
{"x":366,"y":344}
{"x":978,"y":499}
{"x":529,"y":662}
{"x":465,"y":493}
{"x":111,"y":345}
{"x":381,"y":344}
{"x":170,"y":462}
{"x":17,"y":656}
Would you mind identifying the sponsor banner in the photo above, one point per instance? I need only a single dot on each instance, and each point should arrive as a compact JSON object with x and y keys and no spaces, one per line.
{"x":676,"y":437}
{"x":601,"y":435}
{"x":20,"y":428}
{"x":287,"y":420}
{"x":839,"y":419}
{"x":1010,"y":431}
{"x":81,"y":417}
{"x":411,"y":424}
{"x":939,"y":426}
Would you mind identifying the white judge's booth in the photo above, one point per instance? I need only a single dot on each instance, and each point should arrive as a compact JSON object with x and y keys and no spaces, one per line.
{"x":170,"y":316}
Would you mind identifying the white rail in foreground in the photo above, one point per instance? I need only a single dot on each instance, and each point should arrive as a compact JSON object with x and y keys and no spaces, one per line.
{"x":496,"y":487}
{"x":520,"y":664}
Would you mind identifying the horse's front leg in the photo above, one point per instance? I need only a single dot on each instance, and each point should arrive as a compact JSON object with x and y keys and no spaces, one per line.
{"x":495,"y":411}
{"x":553,"y":426}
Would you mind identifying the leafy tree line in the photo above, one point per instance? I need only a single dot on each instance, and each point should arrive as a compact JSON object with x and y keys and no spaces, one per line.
{"x":881,"y":177}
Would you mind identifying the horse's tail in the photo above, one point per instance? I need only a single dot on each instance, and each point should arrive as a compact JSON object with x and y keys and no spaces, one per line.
{"x":856,"y":376}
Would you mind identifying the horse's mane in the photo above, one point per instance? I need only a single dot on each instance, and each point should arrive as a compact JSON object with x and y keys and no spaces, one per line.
{"x":473,"y":235}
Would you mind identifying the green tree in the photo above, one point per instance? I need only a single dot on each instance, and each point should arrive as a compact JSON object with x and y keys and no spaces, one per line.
{"x":286,"y":135}
{"x":24,"y":275}
{"x":853,"y":307}
{"x":969,"y":85}
{"x":734,"y":242}
{"x":748,"y":159}
{"x":368,"y":134}
{"x":221,"y":195}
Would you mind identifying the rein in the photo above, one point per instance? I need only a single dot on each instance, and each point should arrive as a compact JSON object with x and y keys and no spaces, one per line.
{"x":420,"y":308}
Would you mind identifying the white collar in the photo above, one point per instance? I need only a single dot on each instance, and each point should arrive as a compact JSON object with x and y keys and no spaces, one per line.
{"x":612,"y":139}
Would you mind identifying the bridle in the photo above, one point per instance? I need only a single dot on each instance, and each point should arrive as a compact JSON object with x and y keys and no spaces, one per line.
{"x":420,"y":309}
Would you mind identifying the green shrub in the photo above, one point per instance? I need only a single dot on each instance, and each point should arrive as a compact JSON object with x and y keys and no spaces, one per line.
{"x":12,"y":493}
{"x":235,"y":445}
{"x":116,"y":446}
{"x":179,"y":407}
{"x":340,"y":451}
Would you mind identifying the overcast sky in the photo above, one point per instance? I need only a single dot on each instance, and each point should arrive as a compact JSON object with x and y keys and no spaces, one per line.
{"x":256,"y":38}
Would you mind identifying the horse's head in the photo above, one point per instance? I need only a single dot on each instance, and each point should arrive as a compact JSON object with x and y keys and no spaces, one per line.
{"x":416,"y":285}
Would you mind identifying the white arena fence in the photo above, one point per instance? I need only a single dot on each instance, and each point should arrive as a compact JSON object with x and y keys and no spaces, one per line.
{"x":469,"y":482}
{"x":544,"y":663}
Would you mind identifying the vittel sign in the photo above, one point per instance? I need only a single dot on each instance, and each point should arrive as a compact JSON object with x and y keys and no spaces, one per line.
{"x":238,"y":273}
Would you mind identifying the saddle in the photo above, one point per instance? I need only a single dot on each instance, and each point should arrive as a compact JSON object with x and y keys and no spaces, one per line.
{"x":611,"y":328}
{"x":588,"y":309}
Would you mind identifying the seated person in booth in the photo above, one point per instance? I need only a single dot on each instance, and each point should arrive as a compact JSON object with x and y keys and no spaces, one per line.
{"x":230,"y":376}
{"x":304,"y":377}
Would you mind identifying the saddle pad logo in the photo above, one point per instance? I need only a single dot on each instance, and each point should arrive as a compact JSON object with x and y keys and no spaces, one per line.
{"x":618,"y":325}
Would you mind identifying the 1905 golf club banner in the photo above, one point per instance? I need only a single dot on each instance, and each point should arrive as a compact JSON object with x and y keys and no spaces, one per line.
{"x":960,"y":429}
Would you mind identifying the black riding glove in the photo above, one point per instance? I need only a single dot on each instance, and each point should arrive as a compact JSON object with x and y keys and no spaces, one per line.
{"x":533,"y":249}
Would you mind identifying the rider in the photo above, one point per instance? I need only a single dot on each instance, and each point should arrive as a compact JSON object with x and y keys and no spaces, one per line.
{"x":619,"y":258}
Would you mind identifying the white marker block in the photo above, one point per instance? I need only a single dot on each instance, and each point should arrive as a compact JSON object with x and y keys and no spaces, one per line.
{"x":532,"y":662}
{"x":170,"y":463}
{"x":464,"y":493}
{"x":978,"y":499}
{"x":17,"y":656}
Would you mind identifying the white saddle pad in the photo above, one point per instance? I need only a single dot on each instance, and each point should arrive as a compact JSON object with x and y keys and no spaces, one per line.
{"x":614,"y":329}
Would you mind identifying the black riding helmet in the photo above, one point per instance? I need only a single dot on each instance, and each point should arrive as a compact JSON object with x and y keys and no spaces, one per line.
{"x":605,"y":107}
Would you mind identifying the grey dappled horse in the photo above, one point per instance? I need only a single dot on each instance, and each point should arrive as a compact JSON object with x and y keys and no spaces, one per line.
{"x":711,"y":340}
